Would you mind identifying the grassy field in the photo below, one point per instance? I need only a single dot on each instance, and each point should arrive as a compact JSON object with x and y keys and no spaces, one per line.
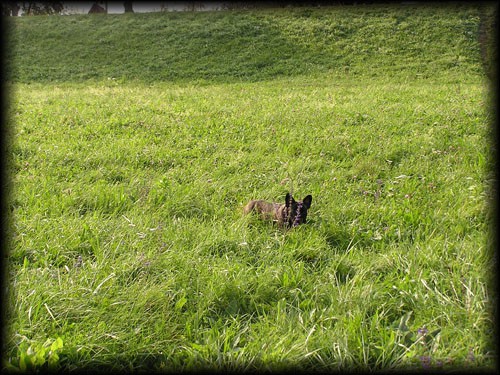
{"x":129,"y":250}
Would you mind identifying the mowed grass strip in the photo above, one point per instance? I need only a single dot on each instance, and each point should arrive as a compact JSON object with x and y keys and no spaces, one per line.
{"x":130,"y":250}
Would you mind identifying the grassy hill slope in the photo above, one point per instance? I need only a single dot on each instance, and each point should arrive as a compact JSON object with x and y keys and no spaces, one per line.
{"x":405,"y":41}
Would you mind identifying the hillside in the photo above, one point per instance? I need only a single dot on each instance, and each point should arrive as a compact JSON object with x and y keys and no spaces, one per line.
{"x":406,"y":41}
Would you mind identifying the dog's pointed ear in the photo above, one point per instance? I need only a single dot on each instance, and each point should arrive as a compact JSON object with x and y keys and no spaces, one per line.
{"x":307,"y":201}
{"x":289,"y":200}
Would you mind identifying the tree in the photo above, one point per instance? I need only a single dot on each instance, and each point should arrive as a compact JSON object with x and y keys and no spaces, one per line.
{"x":194,"y":5}
{"x":128,"y":7}
{"x":96,"y":8}
{"x":10,"y":8}
{"x":34,"y":8}
{"x":31,"y":8}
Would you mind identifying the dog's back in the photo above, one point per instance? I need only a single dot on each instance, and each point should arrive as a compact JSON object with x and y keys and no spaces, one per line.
{"x":267,"y":210}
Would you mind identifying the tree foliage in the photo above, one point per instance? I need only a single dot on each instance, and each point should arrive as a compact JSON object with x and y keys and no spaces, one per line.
{"x":10,"y":8}
{"x":31,"y":8}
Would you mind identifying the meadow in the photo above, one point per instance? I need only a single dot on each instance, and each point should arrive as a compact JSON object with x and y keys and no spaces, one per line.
{"x":130,"y":167}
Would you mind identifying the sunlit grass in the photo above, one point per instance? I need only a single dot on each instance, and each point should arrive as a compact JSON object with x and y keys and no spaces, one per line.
{"x":130,"y":247}
{"x":129,"y":222}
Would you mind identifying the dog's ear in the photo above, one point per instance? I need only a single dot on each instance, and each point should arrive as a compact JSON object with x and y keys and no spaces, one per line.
{"x":289,"y":200}
{"x":307,"y":201}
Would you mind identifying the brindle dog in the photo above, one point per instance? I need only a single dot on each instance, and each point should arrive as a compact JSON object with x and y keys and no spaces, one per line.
{"x":289,"y":214}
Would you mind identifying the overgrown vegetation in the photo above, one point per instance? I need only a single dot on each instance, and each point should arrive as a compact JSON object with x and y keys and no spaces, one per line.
{"x":137,"y":143}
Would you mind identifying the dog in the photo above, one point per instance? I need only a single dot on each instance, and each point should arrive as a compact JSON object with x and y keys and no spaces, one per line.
{"x":287,"y":215}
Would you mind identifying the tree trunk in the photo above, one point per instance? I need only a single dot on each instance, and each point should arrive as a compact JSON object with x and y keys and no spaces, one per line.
{"x":15,"y":9}
{"x":128,"y":7}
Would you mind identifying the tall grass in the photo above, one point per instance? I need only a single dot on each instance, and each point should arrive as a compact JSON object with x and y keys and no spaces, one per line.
{"x":129,"y":247}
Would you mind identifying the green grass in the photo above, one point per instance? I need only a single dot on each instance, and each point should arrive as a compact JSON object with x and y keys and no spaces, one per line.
{"x":406,"y":41}
{"x":129,"y":247}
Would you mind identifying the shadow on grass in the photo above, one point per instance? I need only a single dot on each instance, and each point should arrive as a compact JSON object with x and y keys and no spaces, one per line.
{"x":215,"y":362}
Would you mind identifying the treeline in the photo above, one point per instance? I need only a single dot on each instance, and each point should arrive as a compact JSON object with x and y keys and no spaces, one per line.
{"x":33,"y":8}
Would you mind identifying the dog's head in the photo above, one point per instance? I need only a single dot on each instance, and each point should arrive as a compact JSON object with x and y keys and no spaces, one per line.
{"x":297,"y":211}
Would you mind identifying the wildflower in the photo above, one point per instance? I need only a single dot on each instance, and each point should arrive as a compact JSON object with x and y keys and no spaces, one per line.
{"x":470,"y":356}
{"x":422,"y":331}
{"x":425,"y":360}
